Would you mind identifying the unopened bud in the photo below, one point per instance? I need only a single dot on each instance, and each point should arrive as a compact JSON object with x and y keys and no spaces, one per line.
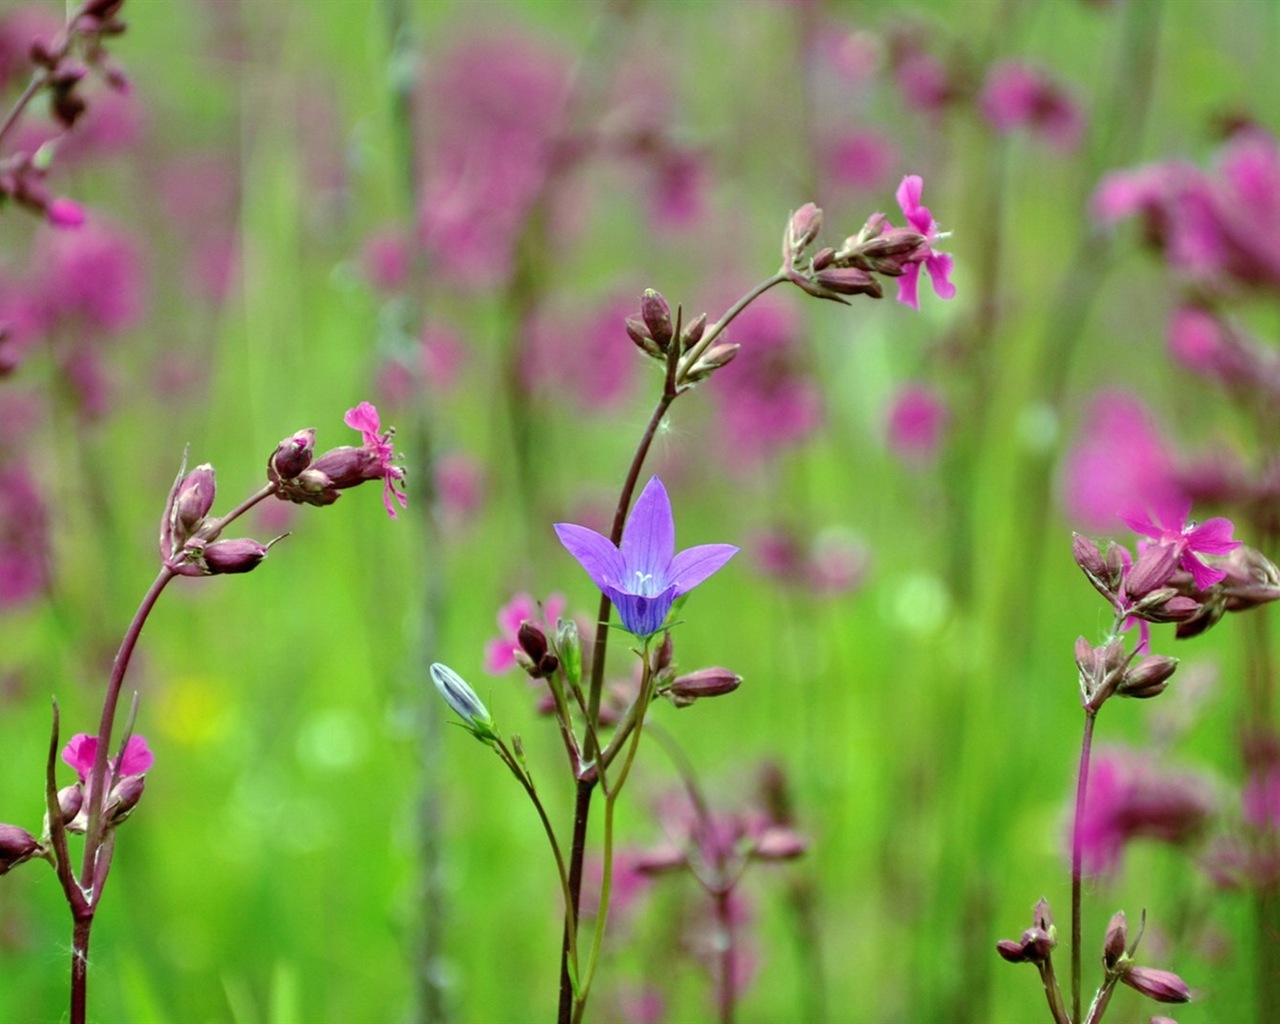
{"x":1042,"y":917}
{"x":1092,"y":564}
{"x":466,"y":705}
{"x":657,"y":318}
{"x":1113,"y":948}
{"x":802,"y":229}
{"x":711,"y":360}
{"x":569,"y":647}
{"x":1162,"y":986}
{"x":705,"y":682}
{"x":124,"y":798}
{"x":70,"y":800}
{"x":849,"y":281}
{"x":292,"y":455}
{"x":692,"y":333}
{"x":241,"y":554}
{"x":533,"y":654}
{"x":638,"y":333}
{"x":1148,"y":678}
{"x":17,"y":845}
{"x":779,"y":843}
{"x":192,"y":502}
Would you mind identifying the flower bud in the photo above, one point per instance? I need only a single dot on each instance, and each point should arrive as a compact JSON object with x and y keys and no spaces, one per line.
{"x":657,"y":318}
{"x":292,"y":455}
{"x":192,"y":502}
{"x":223,"y":557}
{"x":705,"y":682}
{"x":124,"y":798}
{"x":849,"y":281}
{"x":1148,"y":678}
{"x":1113,"y":948}
{"x":779,"y":843}
{"x":711,"y":360}
{"x":569,"y":647}
{"x":17,"y":845}
{"x":802,"y":229}
{"x":639,"y":333}
{"x":533,"y":654}
{"x":1091,"y":563}
{"x":70,"y":800}
{"x":466,"y":705}
{"x":1162,"y":986}
{"x":692,"y":332}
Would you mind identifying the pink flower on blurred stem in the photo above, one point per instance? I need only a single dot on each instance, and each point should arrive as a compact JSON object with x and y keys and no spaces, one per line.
{"x":499,"y":653}
{"x":1131,"y":797}
{"x":938,"y":264}
{"x":861,"y":159}
{"x":1166,"y":523}
{"x":1118,"y":462}
{"x":924,"y":81}
{"x":386,"y":258}
{"x":364,"y":418}
{"x":89,"y":278}
{"x":24,"y":538}
{"x":1016,"y":96}
{"x":917,"y":419}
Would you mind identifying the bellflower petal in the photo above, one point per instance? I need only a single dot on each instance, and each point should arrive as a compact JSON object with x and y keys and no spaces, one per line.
{"x":595,"y":552}
{"x":693,"y":565}
{"x":649,"y":537}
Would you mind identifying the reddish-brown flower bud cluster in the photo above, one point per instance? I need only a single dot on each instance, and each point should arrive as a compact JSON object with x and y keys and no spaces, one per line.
{"x":189,"y":541}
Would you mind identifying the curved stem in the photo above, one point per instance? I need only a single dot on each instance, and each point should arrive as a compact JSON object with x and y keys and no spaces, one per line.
{"x":709,"y":336}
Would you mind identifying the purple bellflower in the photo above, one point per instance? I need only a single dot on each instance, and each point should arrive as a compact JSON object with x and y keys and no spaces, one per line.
{"x":644,"y":576}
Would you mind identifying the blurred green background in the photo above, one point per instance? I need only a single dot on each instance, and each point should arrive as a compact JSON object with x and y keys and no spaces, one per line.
{"x":280,"y":867}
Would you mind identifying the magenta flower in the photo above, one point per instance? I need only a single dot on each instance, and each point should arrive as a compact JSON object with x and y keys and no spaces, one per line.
{"x":916,"y":424}
{"x":938,"y":264}
{"x":1169,"y":527}
{"x":82,"y":748}
{"x":364,"y":418}
{"x":644,"y":576}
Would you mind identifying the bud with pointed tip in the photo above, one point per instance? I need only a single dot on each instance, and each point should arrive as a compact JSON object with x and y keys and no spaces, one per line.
{"x":124,"y":798}
{"x":1148,"y":678}
{"x":292,"y":455}
{"x":705,"y":682}
{"x":1113,"y":949}
{"x":779,"y":843}
{"x":17,"y":846}
{"x":657,"y":318}
{"x":569,"y":647}
{"x":1162,"y":986}
{"x":192,"y":502}
{"x":691,"y":334}
{"x":464,"y":702}
{"x":802,"y":229}
{"x":533,"y":654}
{"x":849,"y":281}
{"x":711,"y":360}
{"x":242,"y":554}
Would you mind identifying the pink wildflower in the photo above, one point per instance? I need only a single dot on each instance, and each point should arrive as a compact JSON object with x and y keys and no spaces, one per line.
{"x":938,"y":264}
{"x":861,"y":159}
{"x":917,"y":420}
{"x":82,"y":748}
{"x":1018,"y":96}
{"x":1168,"y":526}
{"x":364,"y":418}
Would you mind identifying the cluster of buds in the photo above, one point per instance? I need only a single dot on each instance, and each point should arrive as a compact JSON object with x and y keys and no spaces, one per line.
{"x":1107,"y":670}
{"x":1038,"y":942}
{"x":89,"y":25}
{"x":298,"y":476}
{"x":834,"y":273}
{"x":654,"y":333}
{"x":126,"y":779}
{"x":189,"y":541}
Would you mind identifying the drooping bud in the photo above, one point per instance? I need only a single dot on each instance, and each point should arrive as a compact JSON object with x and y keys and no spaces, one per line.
{"x":464,"y":702}
{"x":241,"y":554}
{"x":1162,"y":986}
{"x":17,"y":846}
{"x":1148,"y":678}
{"x":849,"y":281}
{"x":657,"y":318}
{"x":705,"y":682}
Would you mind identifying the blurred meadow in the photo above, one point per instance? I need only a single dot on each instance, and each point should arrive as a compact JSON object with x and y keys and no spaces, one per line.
{"x":449,"y":209}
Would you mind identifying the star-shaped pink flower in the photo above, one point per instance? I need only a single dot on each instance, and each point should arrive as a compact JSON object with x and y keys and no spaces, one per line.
{"x":1169,"y":526}
{"x":364,"y":418}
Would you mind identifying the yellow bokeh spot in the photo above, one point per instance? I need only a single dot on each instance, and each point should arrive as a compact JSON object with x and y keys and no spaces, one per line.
{"x":195,"y":711}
